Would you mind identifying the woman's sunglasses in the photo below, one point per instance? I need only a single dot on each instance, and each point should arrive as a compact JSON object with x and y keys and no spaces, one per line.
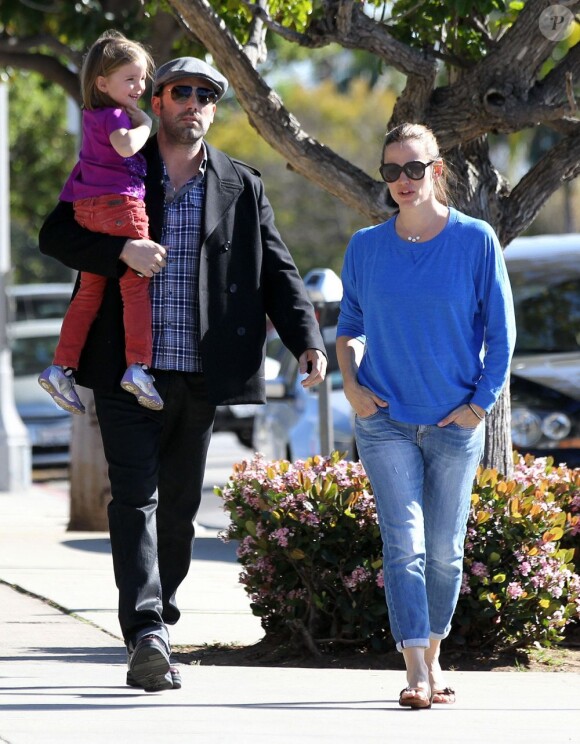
{"x":415,"y":170}
{"x":181,"y":93}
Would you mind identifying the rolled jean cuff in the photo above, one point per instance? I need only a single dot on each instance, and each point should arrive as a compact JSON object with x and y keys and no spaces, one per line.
{"x":413,"y":643}
{"x":438,"y":636}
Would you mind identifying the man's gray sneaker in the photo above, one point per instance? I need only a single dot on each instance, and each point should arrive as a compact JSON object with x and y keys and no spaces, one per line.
{"x":61,"y":388}
{"x":149,"y":665}
{"x":173,"y":671}
{"x":138,"y":381}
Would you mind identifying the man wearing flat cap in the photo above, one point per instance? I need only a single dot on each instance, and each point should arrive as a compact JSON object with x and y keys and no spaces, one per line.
{"x":218,"y":267}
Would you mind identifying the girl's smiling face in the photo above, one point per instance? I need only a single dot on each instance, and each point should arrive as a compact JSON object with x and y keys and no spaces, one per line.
{"x":126,"y":84}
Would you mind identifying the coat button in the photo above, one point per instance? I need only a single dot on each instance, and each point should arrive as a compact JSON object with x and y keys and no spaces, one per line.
{"x":233,"y":288}
{"x":226,"y":245}
{"x":241,"y":331}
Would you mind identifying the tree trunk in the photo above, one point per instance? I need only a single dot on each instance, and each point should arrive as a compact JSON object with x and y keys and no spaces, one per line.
{"x":90,"y":491}
{"x":476,"y":190}
{"x":498,"y":447}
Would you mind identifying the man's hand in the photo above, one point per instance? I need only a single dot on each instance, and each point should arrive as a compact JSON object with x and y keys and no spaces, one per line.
{"x":144,"y":256}
{"x":313,"y":362}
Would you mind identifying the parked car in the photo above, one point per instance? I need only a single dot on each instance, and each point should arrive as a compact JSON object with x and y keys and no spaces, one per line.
{"x":239,"y":419}
{"x":38,"y":301}
{"x":545,"y":381}
{"x":49,"y":426}
{"x":288,"y":425}
{"x":545,"y":372}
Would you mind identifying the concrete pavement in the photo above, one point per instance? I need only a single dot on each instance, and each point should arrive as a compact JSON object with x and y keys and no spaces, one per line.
{"x":62,"y":675}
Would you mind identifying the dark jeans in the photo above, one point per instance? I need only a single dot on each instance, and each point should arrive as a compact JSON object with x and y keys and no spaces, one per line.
{"x":156,"y":466}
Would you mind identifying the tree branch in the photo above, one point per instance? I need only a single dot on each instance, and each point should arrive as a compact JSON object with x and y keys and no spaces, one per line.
{"x":276,"y":125}
{"x":560,"y":164}
{"x":31,"y":44}
{"x":363,"y":33}
{"x":553,"y":86}
{"x":413,"y":102}
{"x":524,"y":48}
{"x":47,"y":66}
{"x":255,"y":49}
{"x":346,"y":24}
{"x":500,"y":93}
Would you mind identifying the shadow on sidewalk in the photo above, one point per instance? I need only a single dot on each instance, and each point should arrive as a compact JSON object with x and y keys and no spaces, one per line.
{"x":75,"y":655}
{"x":204,"y":548}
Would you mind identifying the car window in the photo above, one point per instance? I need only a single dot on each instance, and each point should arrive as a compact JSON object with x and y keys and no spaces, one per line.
{"x":41,"y":308}
{"x":33,"y":354}
{"x":38,"y":301}
{"x":547,"y":314}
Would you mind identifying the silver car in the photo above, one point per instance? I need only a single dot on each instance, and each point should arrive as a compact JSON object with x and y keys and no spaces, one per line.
{"x":49,"y":427}
{"x":38,"y":301}
{"x":288,"y":427}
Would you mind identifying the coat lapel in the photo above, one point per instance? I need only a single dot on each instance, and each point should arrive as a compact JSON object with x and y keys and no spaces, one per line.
{"x":223,"y":186}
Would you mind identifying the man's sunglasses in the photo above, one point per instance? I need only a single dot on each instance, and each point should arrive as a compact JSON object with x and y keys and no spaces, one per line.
{"x":181,"y":93}
{"x":415,"y":170}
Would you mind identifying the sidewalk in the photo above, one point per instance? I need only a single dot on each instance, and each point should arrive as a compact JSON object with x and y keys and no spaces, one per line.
{"x":62,"y":679}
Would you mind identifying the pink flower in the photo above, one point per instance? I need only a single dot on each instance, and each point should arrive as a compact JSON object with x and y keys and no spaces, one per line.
{"x":281,"y":536}
{"x":525,"y":568}
{"x":479,"y":569}
{"x":465,"y":588}
{"x":514,"y":590}
{"x":357,"y":577}
{"x":246,"y":547}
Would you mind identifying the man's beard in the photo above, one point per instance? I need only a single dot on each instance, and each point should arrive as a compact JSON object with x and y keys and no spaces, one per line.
{"x":182,"y":135}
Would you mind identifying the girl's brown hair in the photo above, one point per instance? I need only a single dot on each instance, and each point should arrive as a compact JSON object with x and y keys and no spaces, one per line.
{"x":420,"y":132}
{"x":109,"y":52}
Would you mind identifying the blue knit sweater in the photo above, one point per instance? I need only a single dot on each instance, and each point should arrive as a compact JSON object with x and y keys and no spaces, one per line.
{"x":436,"y":317}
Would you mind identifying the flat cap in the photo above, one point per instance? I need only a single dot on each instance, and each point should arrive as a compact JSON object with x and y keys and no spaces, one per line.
{"x":183,"y":67}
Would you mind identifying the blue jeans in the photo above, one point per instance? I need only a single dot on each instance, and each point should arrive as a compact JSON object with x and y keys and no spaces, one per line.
{"x":422,"y":478}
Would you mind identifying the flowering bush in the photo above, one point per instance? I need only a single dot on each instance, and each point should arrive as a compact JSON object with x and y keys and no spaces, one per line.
{"x":310,"y":548}
{"x":519,"y":581}
{"x":311,"y":553}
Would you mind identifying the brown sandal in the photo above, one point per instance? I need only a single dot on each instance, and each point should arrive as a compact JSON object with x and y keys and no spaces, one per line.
{"x":446,"y":696}
{"x":414,"y":697}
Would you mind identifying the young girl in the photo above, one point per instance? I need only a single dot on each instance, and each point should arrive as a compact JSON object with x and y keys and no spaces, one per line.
{"x":107,"y":190}
{"x":425,"y":337}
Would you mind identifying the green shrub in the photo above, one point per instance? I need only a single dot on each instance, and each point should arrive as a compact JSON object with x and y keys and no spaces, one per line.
{"x":310,"y":550}
{"x":519,"y":581}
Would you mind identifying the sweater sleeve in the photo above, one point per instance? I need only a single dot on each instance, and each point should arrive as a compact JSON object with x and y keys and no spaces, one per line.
{"x":350,"y":319}
{"x":497,"y":307}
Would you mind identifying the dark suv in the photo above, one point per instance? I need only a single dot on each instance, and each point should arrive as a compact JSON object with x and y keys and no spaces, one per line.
{"x":545,"y":382}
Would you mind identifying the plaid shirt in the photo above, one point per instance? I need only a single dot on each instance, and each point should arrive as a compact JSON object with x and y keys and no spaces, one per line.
{"x":175,"y":290}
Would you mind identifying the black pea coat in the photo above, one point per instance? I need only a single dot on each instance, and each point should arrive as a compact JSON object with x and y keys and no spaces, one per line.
{"x":246,"y":272}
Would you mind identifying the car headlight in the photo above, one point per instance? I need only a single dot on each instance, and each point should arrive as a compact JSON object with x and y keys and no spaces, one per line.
{"x":526,"y":427}
{"x":556,"y":425}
